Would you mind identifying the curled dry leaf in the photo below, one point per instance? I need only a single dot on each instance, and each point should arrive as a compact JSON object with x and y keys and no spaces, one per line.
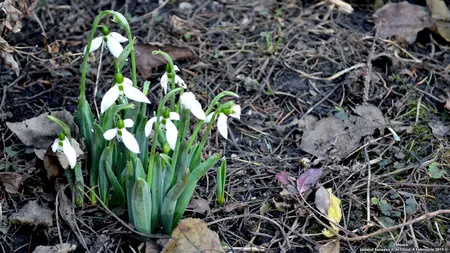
{"x":59,"y":248}
{"x":235,"y":206}
{"x":322,"y":200}
{"x":146,"y":60}
{"x":192,"y":235}
{"x":402,"y":20}
{"x":308,"y":179}
{"x":283,"y":178}
{"x":11,"y":181}
{"x":199,"y":206}
{"x":441,"y":17}
{"x":331,"y":247}
{"x":32,"y":214}
{"x":5,"y":54}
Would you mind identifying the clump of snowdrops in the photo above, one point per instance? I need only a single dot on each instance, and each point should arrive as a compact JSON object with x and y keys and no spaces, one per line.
{"x":147,"y":164}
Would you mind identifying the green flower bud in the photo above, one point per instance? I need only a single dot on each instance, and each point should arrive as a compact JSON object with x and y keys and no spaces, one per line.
{"x":61,"y":136}
{"x":121,"y":20}
{"x":166,"y":114}
{"x":120,"y":124}
{"x":168,"y":70}
{"x":105,"y":30}
{"x":166,"y":148}
{"x":118,"y":78}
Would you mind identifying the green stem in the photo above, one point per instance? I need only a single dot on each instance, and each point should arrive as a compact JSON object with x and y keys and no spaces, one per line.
{"x":155,"y":136}
{"x":86,"y":54}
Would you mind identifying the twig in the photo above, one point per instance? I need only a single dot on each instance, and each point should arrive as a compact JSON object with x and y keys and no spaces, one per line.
{"x":148,"y":15}
{"x":57,"y":218}
{"x":338,"y":74}
{"x":286,"y":239}
{"x":368,"y":77}
{"x":369,"y":175}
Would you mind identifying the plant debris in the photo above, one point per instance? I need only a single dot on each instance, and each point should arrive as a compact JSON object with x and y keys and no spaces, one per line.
{"x":33,"y":214}
{"x":11,"y":181}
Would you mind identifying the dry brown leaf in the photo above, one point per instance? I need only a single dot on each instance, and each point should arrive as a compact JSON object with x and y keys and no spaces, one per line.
{"x":199,"y":206}
{"x":11,"y":181}
{"x":32,"y":214}
{"x":192,"y":235}
{"x":441,"y":17}
{"x":40,"y":132}
{"x":331,"y":247}
{"x":322,"y":200}
{"x":59,"y":248}
{"x":402,"y":20}
{"x":13,"y":16}
{"x":234,"y":206}
{"x":146,"y":61}
{"x":5,"y":54}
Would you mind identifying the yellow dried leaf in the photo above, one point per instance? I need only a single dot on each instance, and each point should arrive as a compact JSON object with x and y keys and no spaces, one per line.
{"x":334,"y":215}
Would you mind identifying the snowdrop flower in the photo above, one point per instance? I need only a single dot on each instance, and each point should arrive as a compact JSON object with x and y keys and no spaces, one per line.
{"x":62,"y":144}
{"x":165,"y":80}
{"x":222,"y":125}
{"x":171,"y":129}
{"x":110,"y":40}
{"x":123,"y":86}
{"x":123,"y":135}
{"x":189,"y":102}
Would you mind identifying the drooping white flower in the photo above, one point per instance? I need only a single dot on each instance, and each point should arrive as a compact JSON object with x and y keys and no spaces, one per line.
{"x":222,"y":124}
{"x":123,"y":135}
{"x":63,"y":145}
{"x":171,"y":129}
{"x":165,"y":80}
{"x":188,"y":101}
{"x":122,"y":87}
{"x":110,"y":40}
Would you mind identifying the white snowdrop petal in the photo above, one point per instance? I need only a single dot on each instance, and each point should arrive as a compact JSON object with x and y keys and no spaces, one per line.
{"x":129,"y":141}
{"x":149,"y":126}
{"x":118,"y":37}
{"x":70,"y":153}
{"x":109,"y":98}
{"x":171,"y":134}
{"x":222,"y":125}
{"x":175,"y":67}
{"x":197,"y":110}
{"x":135,"y":94}
{"x":180,"y":82}
{"x":187,"y":100}
{"x":164,"y":81}
{"x":96,"y":43}
{"x":55,"y":145}
{"x":114,"y":46}
{"x":111,"y":133}
{"x":236,"y":112}
{"x":128,"y":123}
{"x":174,"y":116}
{"x":209,"y":117}
{"x":127,"y":81}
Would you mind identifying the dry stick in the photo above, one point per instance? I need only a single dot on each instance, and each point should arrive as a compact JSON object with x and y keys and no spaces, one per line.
{"x":369,"y":175}
{"x":368,"y":77}
{"x":57,"y":218}
{"x":117,"y":218}
{"x":286,"y":238}
{"x":148,"y":15}
{"x":338,"y":74}
{"x":96,"y":81}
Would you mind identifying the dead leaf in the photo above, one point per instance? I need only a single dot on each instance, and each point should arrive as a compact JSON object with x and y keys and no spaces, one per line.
{"x":40,"y":132}
{"x":11,"y":181}
{"x":322,"y":200}
{"x":331,"y":247}
{"x":199,"y":206}
{"x":13,"y":16}
{"x":342,"y":6}
{"x":59,"y":248}
{"x":234,"y":206}
{"x":402,"y":20}
{"x":283,"y":178}
{"x":5,"y":54}
{"x":334,"y":138}
{"x":441,"y":17}
{"x":308,"y":179}
{"x":151,"y":247}
{"x":146,"y":61}
{"x":438,"y":128}
{"x":193,"y":236}
{"x":32,"y":214}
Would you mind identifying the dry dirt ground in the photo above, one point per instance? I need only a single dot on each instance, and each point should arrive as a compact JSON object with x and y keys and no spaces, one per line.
{"x":287,"y":60}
